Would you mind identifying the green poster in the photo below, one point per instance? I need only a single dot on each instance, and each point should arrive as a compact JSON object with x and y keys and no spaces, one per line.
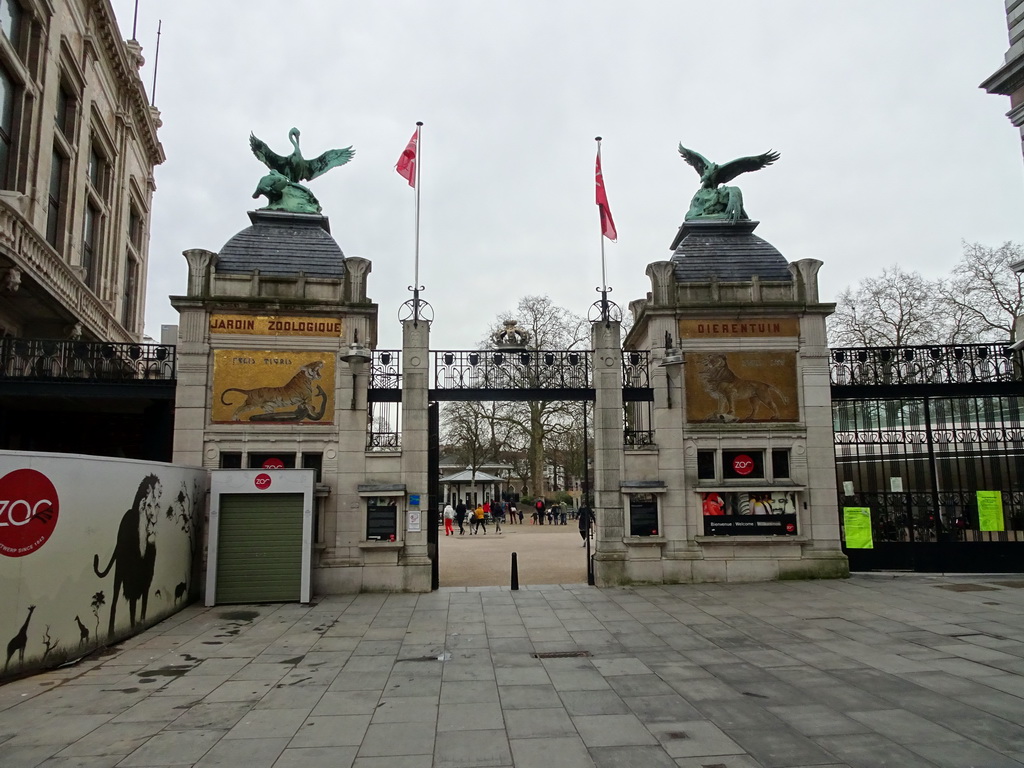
{"x":857,"y":525}
{"x":990,"y":510}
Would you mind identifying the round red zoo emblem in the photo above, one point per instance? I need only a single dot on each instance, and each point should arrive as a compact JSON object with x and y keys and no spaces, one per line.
{"x":28,"y":511}
{"x":273,"y":464}
{"x":262,"y":481}
{"x":743,"y":464}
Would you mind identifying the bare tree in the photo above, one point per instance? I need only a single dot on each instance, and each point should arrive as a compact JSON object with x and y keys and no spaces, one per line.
{"x":534,"y":424}
{"x":895,"y":309}
{"x":976,"y":303}
{"x":985,"y":292}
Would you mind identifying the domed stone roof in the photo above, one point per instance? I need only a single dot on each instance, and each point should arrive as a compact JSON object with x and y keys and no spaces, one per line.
{"x":726,"y":251}
{"x":282,"y":243}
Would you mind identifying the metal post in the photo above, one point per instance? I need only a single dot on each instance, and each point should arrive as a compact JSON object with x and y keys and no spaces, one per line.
{"x":515,"y":572}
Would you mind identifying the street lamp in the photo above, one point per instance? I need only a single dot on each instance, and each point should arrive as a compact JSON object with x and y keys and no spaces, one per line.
{"x":357,"y":356}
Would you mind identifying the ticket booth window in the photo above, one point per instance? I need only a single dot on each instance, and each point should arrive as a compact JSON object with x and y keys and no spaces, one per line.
{"x":382,"y":518}
{"x":643,"y":514}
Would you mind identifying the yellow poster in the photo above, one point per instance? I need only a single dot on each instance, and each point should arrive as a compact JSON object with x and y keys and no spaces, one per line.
{"x":272,"y":386}
{"x":272,"y":325}
{"x":741,"y":387}
{"x":857,"y":528}
{"x":990,"y":511}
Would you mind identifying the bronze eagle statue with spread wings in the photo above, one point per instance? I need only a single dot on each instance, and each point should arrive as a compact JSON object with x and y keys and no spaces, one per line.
{"x":713,"y":174}
{"x":713,"y":201}
{"x":295,"y":167}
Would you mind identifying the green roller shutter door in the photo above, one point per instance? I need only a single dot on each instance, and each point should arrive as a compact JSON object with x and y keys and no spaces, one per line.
{"x":259,"y":548}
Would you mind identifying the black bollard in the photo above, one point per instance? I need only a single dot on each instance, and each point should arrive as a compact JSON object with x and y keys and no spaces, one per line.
{"x":515,"y":571}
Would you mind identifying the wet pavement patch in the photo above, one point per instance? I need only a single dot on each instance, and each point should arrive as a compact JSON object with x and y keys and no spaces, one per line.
{"x":174,"y":671}
{"x":966,"y":587}
{"x":239,"y":615}
{"x":560,"y":654}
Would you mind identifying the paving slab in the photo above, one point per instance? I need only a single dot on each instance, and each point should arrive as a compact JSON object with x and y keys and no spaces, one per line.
{"x":862,"y":672}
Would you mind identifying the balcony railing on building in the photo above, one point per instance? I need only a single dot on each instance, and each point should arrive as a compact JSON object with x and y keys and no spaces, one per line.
{"x":85,"y":361}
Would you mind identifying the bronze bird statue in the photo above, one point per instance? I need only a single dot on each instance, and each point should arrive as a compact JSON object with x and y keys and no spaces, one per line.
{"x":295,"y":167}
{"x":712,"y":174}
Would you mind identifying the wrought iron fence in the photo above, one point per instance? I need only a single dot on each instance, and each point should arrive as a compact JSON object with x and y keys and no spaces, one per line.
{"x":946,"y":364}
{"x":505,"y":369}
{"x":386,"y":369}
{"x":636,"y":369}
{"x":63,"y":359}
{"x":384,"y":426}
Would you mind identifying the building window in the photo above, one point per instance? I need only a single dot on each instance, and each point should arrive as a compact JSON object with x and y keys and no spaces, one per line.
{"x":780,"y":464}
{"x":132,"y":268}
{"x":382,"y":518}
{"x":65,"y":116}
{"x":742,"y":465}
{"x":231,"y":460}
{"x":643,"y":514}
{"x":10,"y":20}
{"x":55,"y":210}
{"x":7,"y":95}
{"x":706,"y":465}
{"x":271,"y":461}
{"x":91,"y":236}
{"x":98,"y":172}
{"x":129,"y":303}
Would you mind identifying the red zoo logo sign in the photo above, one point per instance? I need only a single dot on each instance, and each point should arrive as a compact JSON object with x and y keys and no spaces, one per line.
{"x":28,"y":511}
{"x":262,"y":481}
{"x":273,"y":464}
{"x":743,"y":464}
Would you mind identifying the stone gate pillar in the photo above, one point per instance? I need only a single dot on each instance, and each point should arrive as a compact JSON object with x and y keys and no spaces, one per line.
{"x":415,"y":383}
{"x":609,"y":558}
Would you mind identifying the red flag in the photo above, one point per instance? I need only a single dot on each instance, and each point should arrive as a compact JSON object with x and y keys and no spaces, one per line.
{"x":607,"y":223}
{"x":406,"y":165}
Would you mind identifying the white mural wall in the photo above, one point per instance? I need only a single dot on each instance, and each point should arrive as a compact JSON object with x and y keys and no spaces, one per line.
{"x":92,"y":549}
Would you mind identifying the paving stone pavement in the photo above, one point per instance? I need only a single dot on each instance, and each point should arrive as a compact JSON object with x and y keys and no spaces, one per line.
{"x":868,"y":672}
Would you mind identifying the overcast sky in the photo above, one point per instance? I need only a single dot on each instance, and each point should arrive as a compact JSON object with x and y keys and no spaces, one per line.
{"x":890,"y":151}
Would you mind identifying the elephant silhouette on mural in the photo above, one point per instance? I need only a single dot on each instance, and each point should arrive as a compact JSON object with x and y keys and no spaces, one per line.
{"x":134,"y":553}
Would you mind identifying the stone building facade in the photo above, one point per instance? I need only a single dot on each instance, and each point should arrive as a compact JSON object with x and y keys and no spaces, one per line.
{"x":78,"y":145}
{"x":738,"y":480}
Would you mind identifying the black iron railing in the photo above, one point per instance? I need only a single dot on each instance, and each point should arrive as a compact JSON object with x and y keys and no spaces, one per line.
{"x":946,"y":364}
{"x":386,"y":369}
{"x":636,"y":369}
{"x":62,"y":359}
{"x":505,"y":369}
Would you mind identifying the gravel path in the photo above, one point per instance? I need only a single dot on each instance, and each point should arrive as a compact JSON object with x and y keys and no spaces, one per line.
{"x":547,"y":554}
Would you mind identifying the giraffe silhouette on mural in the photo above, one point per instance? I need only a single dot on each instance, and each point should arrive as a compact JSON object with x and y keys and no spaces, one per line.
{"x":83,"y":631}
{"x":19,"y":641}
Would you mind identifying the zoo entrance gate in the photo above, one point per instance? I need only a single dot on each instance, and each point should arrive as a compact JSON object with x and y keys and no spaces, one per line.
{"x":500,"y":375}
{"x":918,"y":431}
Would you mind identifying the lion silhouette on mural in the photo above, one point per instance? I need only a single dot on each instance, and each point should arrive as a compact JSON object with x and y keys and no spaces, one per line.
{"x":134,"y":553}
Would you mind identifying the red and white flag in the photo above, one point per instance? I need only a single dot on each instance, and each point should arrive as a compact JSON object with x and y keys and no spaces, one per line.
{"x":607,"y":223}
{"x":406,"y":165}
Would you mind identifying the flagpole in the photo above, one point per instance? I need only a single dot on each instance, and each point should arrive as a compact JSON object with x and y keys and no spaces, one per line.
{"x":416,"y":263}
{"x":604,"y":279}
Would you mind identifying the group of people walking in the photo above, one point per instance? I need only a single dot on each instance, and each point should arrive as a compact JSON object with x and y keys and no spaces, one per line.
{"x":478,"y":516}
{"x":496,"y":511}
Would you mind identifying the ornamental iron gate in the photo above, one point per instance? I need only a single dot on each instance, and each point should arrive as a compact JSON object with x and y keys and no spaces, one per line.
{"x":919,"y":431}
{"x":500,"y":375}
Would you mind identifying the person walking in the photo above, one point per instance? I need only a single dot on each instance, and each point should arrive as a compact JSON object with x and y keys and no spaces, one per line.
{"x":540,"y":511}
{"x":449,"y":517}
{"x":460,"y":517}
{"x":586,"y":519}
{"x":498,"y":513}
{"x":478,"y":520}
